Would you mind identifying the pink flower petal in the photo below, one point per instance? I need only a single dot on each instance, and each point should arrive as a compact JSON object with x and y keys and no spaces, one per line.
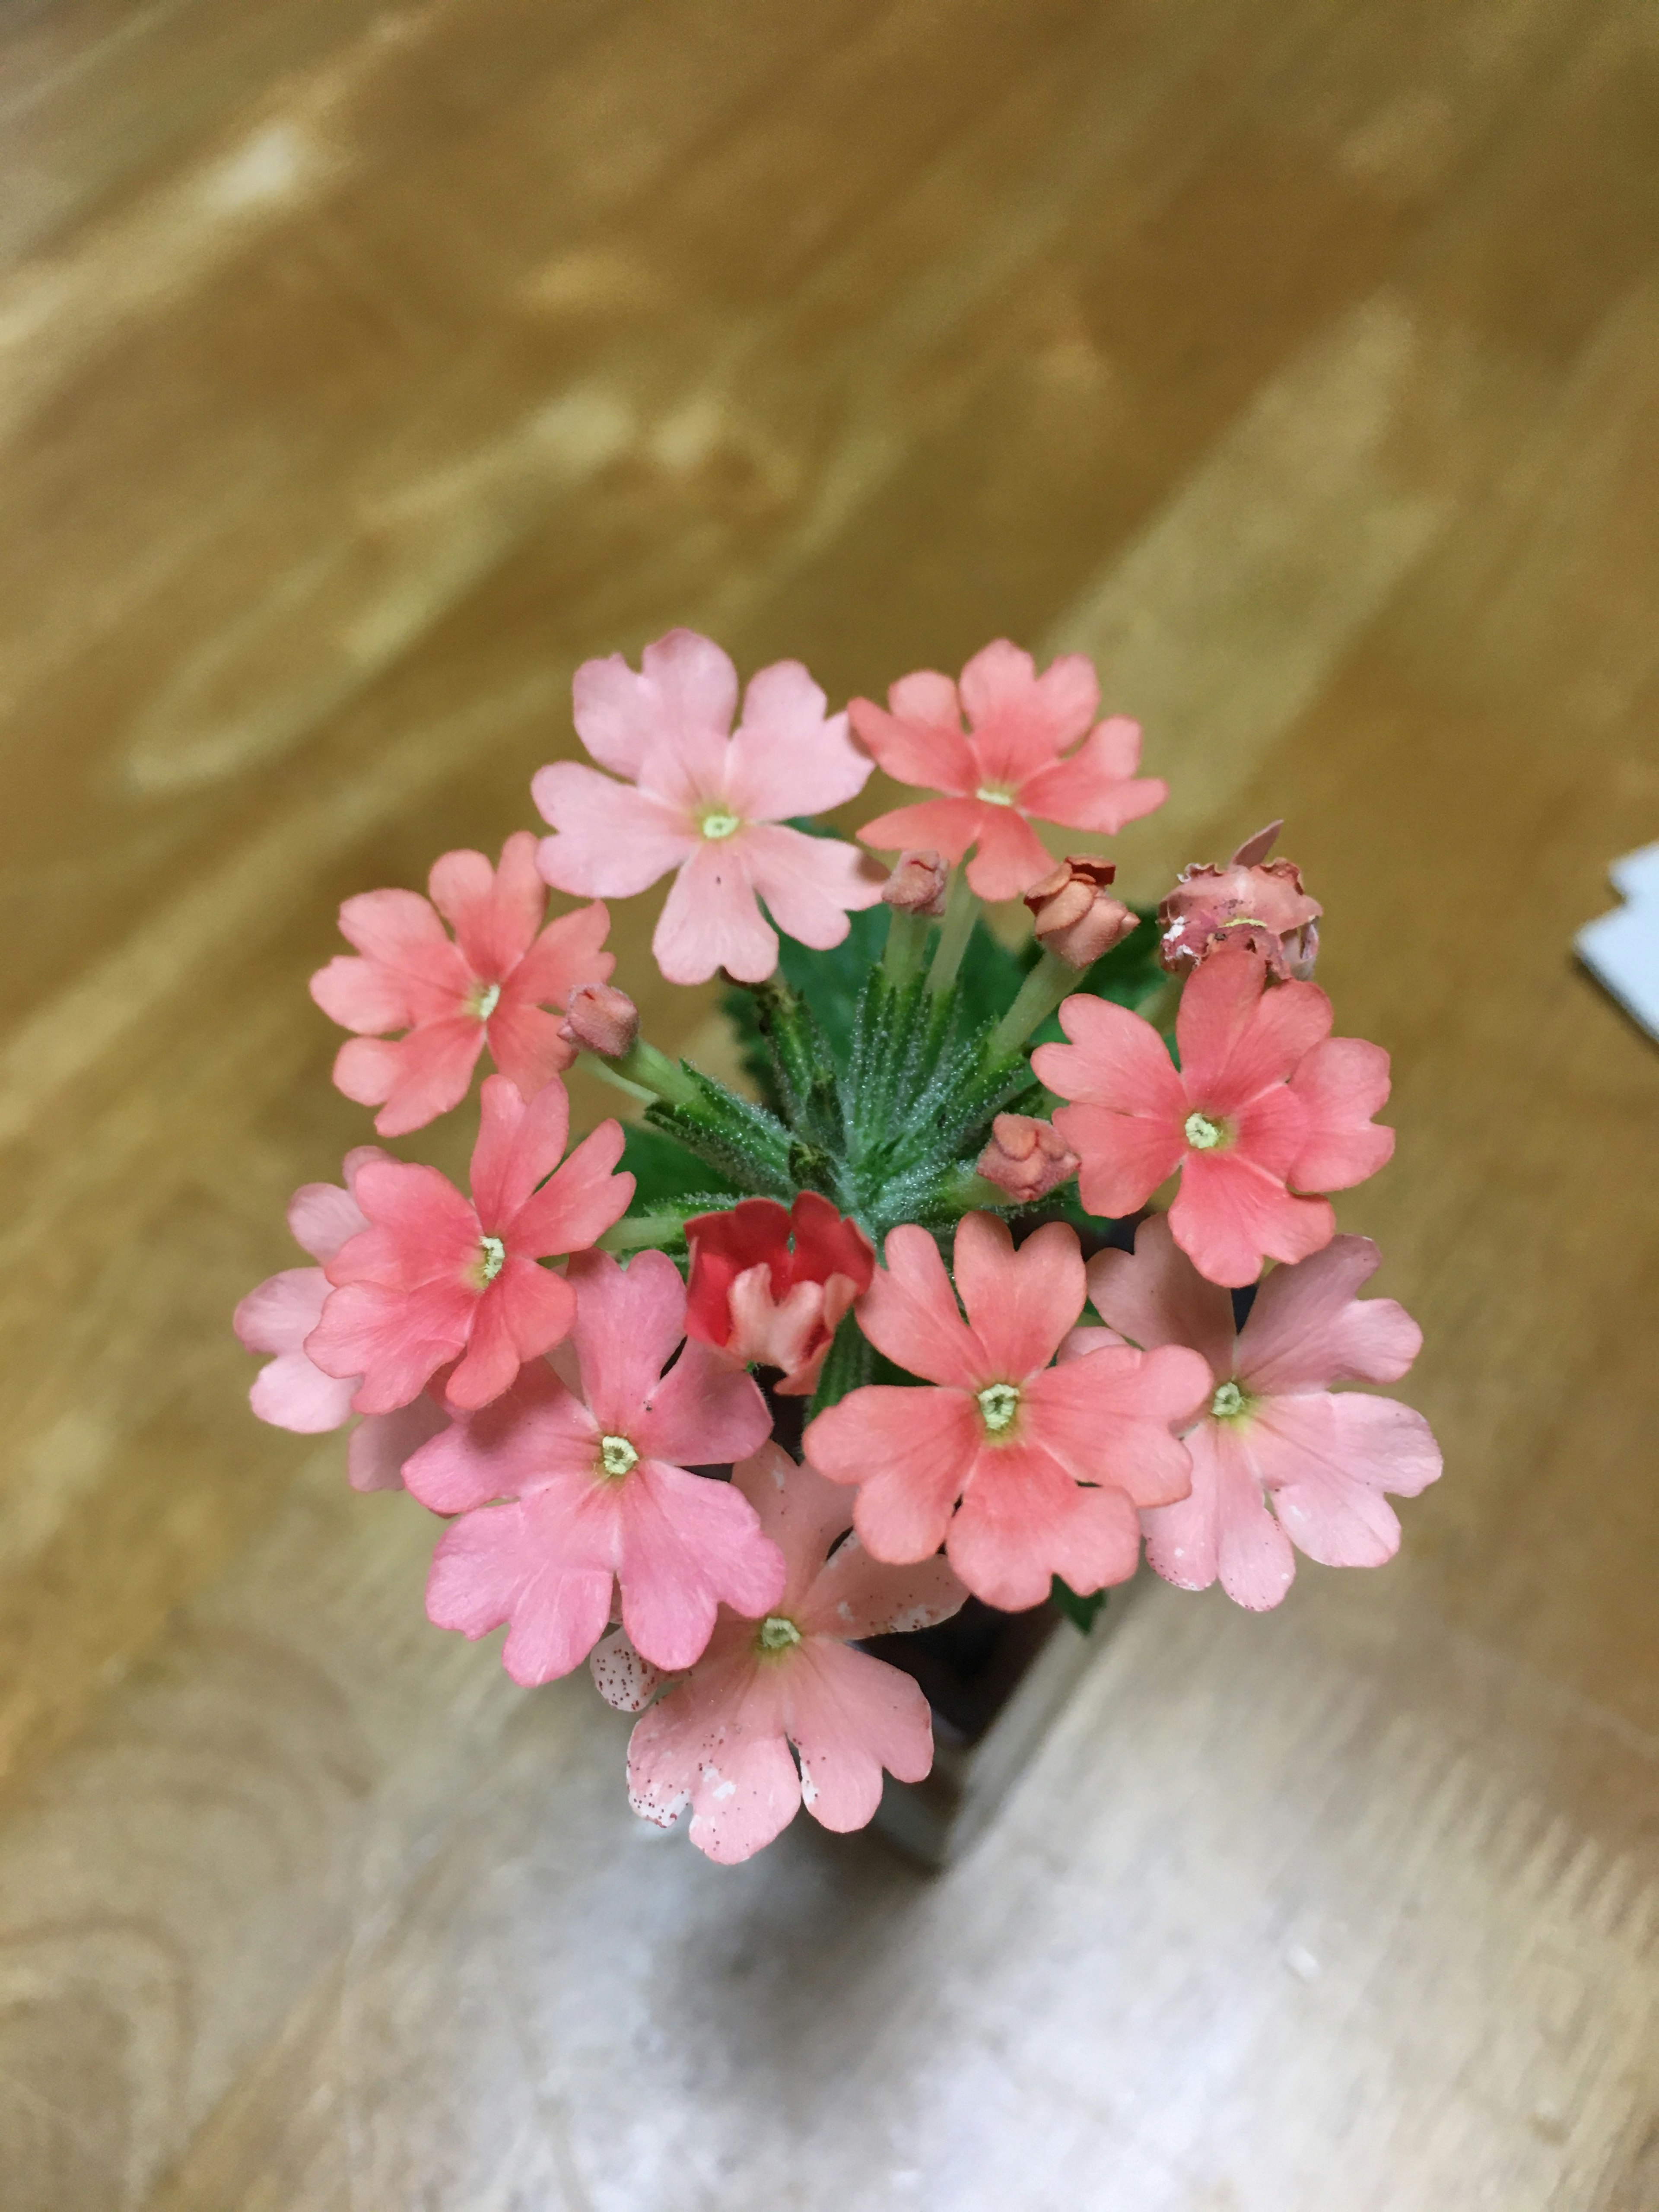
{"x":579,"y":1201}
{"x":1109,"y":1416}
{"x":495,"y":914}
{"x":1114,"y":1060}
{"x":536,"y":1433}
{"x":377,"y":1446}
{"x":1341,"y":1083}
{"x":909,"y":1312}
{"x":1156,"y":1296}
{"x":612,"y":840}
{"x":710,"y":919}
{"x":280,"y":1313}
{"x":519,"y":1142}
{"x":1023,"y":1519}
{"x":910,"y":1456}
{"x":515,"y":1563}
{"x":418,"y":1077}
{"x":1021,"y":720}
{"x":788,"y":756}
{"x":704,"y":1413}
{"x":1235,"y":1040}
{"x":1020,"y":1305}
{"x":625,"y":1681}
{"x":686,"y":685}
{"x":712,"y":1743}
{"x":945,"y":826}
{"x":1309,"y":1328}
{"x":688,"y":1543}
{"x":367,"y":995}
{"x":321,"y":1216}
{"x":399,"y":931}
{"x":1125,"y":1156}
{"x":1222,"y":1529}
{"x":526,"y":1046}
{"x":920,"y":741}
{"x":421,"y":1227}
{"x":803,"y":1512}
{"x":395,"y":1340}
{"x":569,"y":951}
{"x":850,"y":1716}
{"x":1011,"y":857}
{"x":525,"y":1311}
{"x":290,"y":1393}
{"x":1329,"y":1458}
{"x":629,"y":1322}
{"x":854,"y":1595}
{"x":1096,"y":789}
{"x":809,"y":883}
{"x":1228,"y":1216}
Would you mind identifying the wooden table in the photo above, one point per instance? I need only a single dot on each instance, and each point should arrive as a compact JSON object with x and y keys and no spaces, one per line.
{"x":362,"y":370}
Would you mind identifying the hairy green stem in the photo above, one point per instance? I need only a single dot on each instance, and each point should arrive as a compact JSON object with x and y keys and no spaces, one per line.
{"x":961,"y":913}
{"x":643,"y":1073}
{"x":907,"y":941}
{"x":1051,"y":980}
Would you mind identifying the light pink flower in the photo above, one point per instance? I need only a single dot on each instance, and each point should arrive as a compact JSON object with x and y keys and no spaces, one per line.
{"x":437,"y":1277}
{"x":1265,"y":1104}
{"x":1050,"y":1463}
{"x":1011,"y":766}
{"x":707,"y":804}
{"x":492,"y":982}
{"x":280,"y":1313}
{"x":719,"y":1741}
{"x":1254,"y":902}
{"x":1275,"y":1433}
{"x":602,"y":1500}
{"x":761,"y":1301}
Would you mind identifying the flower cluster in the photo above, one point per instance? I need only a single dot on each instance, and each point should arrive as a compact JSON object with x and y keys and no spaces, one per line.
{"x":921,"y":1245}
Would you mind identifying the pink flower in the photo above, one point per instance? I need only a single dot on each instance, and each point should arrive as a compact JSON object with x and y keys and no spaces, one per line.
{"x":1254,"y":902}
{"x":1265,"y":1104}
{"x":1049,"y":1462}
{"x":1011,"y":765}
{"x":278,"y":1316}
{"x":719,"y":1741}
{"x":707,"y":805}
{"x":491,"y":984}
{"x":602,"y":1497}
{"x":435,"y":1276}
{"x":1274,"y":1431}
{"x":758,"y":1300}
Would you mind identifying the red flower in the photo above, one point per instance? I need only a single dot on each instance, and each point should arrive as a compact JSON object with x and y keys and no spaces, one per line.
{"x":760,"y":1301}
{"x":492,"y":983}
{"x":435,"y":1274}
{"x":1265,"y":1104}
{"x":1010,"y":764}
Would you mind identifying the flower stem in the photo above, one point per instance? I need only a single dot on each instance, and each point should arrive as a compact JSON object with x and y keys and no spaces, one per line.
{"x":644,"y":1073}
{"x":907,"y":940}
{"x":961,"y":913}
{"x":641,"y":1232}
{"x":1051,"y":980}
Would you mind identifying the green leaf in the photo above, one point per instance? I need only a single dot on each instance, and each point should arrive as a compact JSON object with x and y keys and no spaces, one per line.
{"x":831,"y":982}
{"x":665,"y":1174}
{"x":1079,"y":1611}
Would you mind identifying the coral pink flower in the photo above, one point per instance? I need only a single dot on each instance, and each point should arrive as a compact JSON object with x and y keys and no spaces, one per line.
{"x":1265,"y":1104}
{"x":280,"y":1313}
{"x":1050,"y":1463}
{"x":719,"y":1741}
{"x":1275,"y":1432}
{"x":602,"y":1500}
{"x":707,"y":805}
{"x":492,"y":983}
{"x":1252,"y":901}
{"x":1010,"y":766}
{"x":436,"y":1276}
{"x":761,"y":1302}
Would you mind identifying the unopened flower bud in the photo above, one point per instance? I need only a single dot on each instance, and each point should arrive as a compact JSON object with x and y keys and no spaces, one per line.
{"x":602,"y":1019}
{"x":917,"y":884}
{"x":1027,"y":1159}
{"x":1075,"y":915}
{"x":1254,"y":902}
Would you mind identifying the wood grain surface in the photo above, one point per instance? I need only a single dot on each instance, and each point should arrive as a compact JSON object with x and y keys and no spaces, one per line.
{"x":362,"y":370}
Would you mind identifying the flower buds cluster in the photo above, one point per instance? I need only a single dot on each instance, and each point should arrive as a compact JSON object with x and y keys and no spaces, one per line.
{"x":1074,"y":916}
{"x":917,"y":885}
{"x":1252,"y":901}
{"x":1026,"y":1158}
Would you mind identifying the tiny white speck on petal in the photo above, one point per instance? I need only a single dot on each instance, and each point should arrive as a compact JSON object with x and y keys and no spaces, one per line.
{"x":1302,"y":1963}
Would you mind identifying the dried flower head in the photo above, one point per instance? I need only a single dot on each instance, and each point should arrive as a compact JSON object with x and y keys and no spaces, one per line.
{"x":1254,"y":902}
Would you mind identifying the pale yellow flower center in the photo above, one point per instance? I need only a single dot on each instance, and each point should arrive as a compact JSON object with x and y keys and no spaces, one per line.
{"x":488,"y":999}
{"x":995,"y":795}
{"x":492,"y":1257}
{"x":720,"y":822}
{"x":777,"y":1633}
{"x":998,"y":1404}
{"x":617,"y":1455}
{"x":1228,"y":1403}
{"x":1202,"y":1134}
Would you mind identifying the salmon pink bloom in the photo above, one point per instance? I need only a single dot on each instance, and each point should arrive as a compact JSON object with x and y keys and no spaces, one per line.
{"x":1278,"y":1458}
{"x":437,"y":1277}
{"x":1050,"y":1463}
{"x":1265,"y":1104}
{"x":278,"y":1316}
{"x":707,"y":804}
{"x":761,"y":1302}
{"x":719,"y":1741}
{"x":601,"y":1498}
{"x":491,"y":983}
{"x":1010,"y":766}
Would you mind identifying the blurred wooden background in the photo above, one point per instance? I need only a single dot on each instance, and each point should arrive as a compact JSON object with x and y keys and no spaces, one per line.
{"x":362,"y":369}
